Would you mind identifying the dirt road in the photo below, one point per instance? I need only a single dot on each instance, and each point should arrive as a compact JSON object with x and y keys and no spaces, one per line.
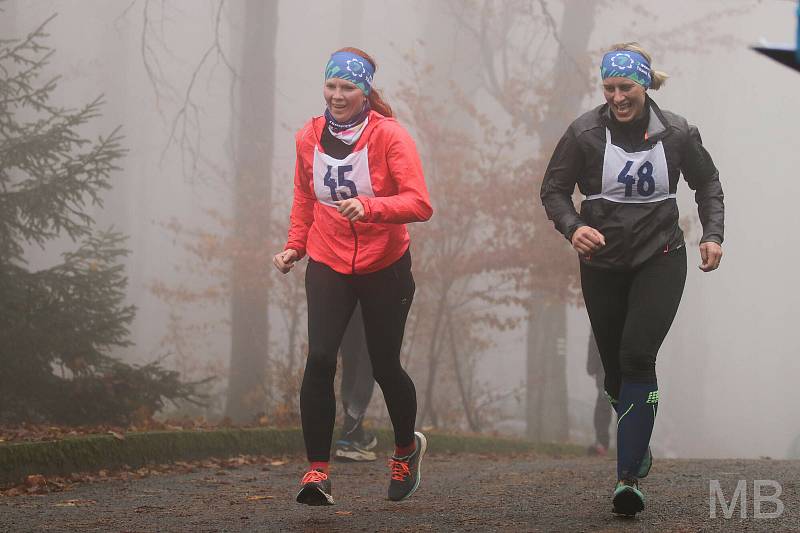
{"x":458,"y":493}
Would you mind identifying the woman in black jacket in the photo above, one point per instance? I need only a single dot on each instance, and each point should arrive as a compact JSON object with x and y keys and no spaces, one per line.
{"x":626,"y":157}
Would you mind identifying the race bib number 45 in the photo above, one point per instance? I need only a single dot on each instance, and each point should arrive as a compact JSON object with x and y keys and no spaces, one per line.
{"x":341,"y":179}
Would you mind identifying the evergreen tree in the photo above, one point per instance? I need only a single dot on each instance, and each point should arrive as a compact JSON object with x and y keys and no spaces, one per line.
{"x":58,"y":324}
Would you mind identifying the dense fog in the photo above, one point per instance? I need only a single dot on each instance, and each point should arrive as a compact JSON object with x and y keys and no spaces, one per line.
{"x":178,"y":77}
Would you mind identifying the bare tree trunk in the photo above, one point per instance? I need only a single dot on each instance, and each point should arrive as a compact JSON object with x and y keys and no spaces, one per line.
{"x":547,"y":395}
{"x":254,"y":149}
{"x":428,"y":408}
{"x":463,"y":389}
{"x":546,"y":373}
{"x":444,"y":47}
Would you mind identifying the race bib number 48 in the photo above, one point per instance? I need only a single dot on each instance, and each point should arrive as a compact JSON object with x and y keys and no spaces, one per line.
{"x":634,"y":177}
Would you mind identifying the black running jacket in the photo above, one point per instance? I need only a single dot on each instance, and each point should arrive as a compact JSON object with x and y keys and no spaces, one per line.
{"x":633,"y":232}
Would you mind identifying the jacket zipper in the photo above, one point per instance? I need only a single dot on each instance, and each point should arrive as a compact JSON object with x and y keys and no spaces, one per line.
{"x":355,"y":248}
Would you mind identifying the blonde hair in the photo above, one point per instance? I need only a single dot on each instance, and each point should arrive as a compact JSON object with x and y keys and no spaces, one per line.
{"x":657,"y":77}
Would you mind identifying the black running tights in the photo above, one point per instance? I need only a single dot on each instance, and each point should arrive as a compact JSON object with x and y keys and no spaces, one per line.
{"x":631,"y":313}
{"x":385,"y":297}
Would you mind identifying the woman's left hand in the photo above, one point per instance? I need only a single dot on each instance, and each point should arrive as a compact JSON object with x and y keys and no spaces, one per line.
{"x":352,"y":209}
{"x":711,"y":254}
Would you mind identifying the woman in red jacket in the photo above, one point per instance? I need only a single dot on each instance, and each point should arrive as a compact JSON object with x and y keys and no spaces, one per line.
{"x":358,"y":181}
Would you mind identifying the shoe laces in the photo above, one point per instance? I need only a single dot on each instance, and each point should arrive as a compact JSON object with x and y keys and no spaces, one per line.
{"x":400,"y":469}
{"x":314,"y":476}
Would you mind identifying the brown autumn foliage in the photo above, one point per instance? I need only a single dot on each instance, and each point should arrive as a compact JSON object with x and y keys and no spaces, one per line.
{"x":198,"y":306}
{"x":468,"y":262}
{"x":472,"y":263}
{"x":488,"y":248}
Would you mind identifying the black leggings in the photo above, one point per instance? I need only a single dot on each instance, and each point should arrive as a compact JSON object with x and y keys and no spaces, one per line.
{"x":385,"y":298}
{"x":631,"y":313}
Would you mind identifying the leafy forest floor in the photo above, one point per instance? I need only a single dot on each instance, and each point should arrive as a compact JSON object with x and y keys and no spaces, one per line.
{"x":48,"y":432}
{"x":459,"y":492}
{"x":45,"y":459}
{"x":515,"y":486}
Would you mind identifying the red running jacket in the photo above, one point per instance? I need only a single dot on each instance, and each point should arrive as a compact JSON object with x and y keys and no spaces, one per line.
{"x":384,"y":172}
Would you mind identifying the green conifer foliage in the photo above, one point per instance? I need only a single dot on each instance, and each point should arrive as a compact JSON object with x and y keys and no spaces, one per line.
{"x":58,"y":324}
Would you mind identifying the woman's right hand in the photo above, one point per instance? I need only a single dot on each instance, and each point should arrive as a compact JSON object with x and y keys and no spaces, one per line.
{"x":285,"y":260}
{"x":587,"y":240}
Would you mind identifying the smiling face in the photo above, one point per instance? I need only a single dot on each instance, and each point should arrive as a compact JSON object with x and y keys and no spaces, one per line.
{"x":625,"y":97}
{"x":343,"y":98}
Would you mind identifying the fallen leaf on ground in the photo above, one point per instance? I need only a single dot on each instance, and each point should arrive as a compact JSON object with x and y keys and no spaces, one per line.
{"x":39,"y":484}
{"x":344,"y":513}
{"x":35,"y":480}
{"x":75,"y":503}
{"x":148,"y":508}
{"x":257,"y":498}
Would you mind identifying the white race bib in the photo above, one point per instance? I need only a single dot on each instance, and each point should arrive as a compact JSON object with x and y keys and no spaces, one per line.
{"x":340,"y":179}
{"x":635,"y":178}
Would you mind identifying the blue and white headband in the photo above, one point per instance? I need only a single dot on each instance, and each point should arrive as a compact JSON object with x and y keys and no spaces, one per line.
{"x":351,"y":67}
{"x":626,"y":64}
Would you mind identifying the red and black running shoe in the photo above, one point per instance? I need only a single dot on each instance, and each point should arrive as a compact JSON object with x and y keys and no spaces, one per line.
{"x":316,"y":489}
{"x":407,"y":471}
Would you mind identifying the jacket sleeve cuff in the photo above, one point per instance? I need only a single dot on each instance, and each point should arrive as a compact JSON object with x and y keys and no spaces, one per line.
{"x":711,"y":238}
{"x":571,"y":231}
{"x":301,"y":251}
{"x":366,"y":202}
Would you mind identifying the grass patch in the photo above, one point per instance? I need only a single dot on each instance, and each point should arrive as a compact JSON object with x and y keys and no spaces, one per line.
{"x":95,"y":452}
{"x":470,"y":443}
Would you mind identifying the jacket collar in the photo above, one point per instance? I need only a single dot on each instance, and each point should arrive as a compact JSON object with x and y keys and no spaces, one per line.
{"x":319,"y":123}
{"x":657,"y":127}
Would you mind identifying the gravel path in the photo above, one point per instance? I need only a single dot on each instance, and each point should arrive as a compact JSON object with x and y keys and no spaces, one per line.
{"x":458,"y":493}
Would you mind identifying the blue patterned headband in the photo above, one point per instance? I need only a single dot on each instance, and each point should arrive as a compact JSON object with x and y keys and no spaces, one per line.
{"x":351,"y":67}
{"x":626,"y":64}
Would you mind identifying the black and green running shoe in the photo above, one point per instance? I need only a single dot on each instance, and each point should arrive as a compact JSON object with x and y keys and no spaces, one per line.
{"x":628,"y":499}
{"x":646,"y":464}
